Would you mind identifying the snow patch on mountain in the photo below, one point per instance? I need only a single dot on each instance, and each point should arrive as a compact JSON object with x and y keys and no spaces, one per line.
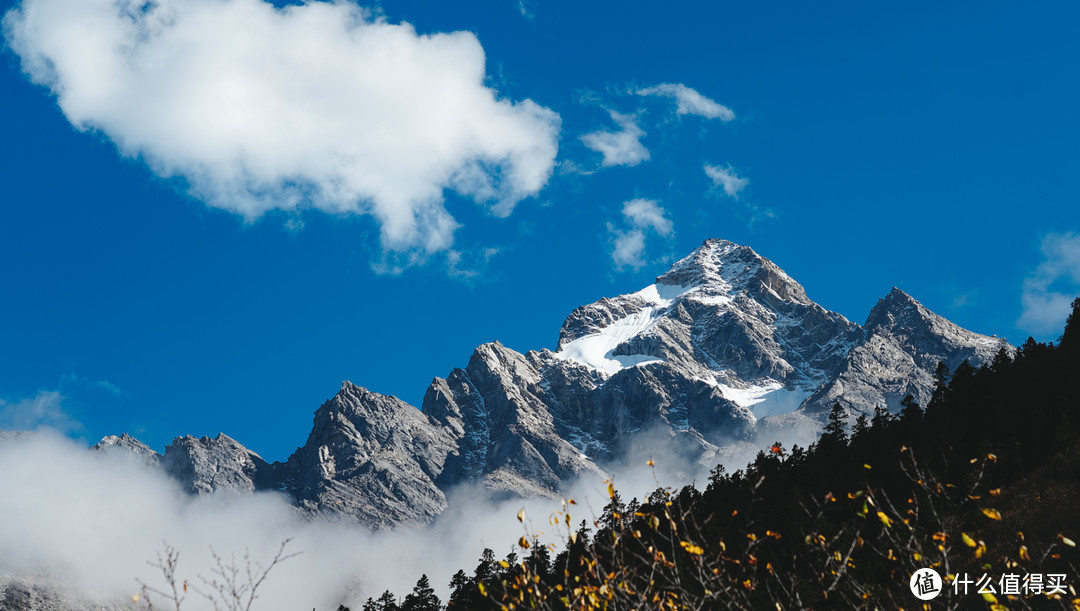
{"x":597,"y":349}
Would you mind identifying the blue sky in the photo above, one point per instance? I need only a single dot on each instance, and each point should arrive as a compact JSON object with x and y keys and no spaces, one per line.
{"x":164,"y":273}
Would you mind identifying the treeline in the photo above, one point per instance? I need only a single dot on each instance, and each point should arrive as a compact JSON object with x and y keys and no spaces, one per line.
{"x":980,"y":481}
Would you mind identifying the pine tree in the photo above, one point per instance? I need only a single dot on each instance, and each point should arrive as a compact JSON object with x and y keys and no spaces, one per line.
{"x":1001,"y":360}
{"x":862,"y":425}
{"x":881,"y":418}
{"x":717,"y":476}
{"x":422,"y":598}
{"x":836,"y":430}
{"x":611,"y":518}
{"x":462,"y":591}
{"x":1070,"y":339}
{"x":385,"y":602}
{"x":941,"y":385}
{"x":911,"y":413}
{"x":485,"y":570}
{"x":539,"y":560}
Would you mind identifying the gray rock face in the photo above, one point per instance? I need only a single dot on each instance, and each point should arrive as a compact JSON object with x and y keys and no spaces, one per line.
{"x":902,"y":345}
{"x":127,"y":445}
{"x":205,"y":466}
{"x":724,"y":348}
{"x":498,"y":413}
{"x":370,"y":458}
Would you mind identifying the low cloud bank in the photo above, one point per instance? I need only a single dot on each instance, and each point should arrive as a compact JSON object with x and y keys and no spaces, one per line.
{"x":92,"y":521}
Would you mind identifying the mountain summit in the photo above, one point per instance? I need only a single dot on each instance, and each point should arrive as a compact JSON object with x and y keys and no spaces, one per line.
{"x":724,"y":350}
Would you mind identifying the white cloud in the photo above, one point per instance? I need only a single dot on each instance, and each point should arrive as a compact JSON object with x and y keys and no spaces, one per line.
{"x":622,"y":147}
{"x":314,"y":105}
{"x":689,"y":102}
{"x":732,"y":184}
{"x":726,"y":178}
{"x":1048,"y":292}
{"x":642,"y":216}
{"x":90,"y":522}
{"x":43,"y":411}
{"x":646,"y":214}
{"x":470,"y":265}
{"x":629,"y":247}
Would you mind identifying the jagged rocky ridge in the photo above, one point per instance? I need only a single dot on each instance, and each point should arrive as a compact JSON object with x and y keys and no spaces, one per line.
{"x":724,"y":349}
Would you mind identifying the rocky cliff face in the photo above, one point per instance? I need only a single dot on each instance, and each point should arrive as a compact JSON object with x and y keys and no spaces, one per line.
{"x":723,"y":348}
{"x":509,"y":437}
{"x":901,"y":346}
{"x":370,"y":458}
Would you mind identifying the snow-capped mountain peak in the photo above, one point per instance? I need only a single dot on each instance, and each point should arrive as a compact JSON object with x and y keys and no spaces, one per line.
{"x":723,"y":349}
{"x":720,"y":268}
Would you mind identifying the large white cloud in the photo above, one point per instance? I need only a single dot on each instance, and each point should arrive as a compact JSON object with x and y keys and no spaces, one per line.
{"x":319,"y":105}
{"x":1049,"y":290}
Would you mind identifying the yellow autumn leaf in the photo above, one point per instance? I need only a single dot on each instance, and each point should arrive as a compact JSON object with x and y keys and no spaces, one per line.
{"x":991,"y":513}
{"x":611,"y":490}
{"x":990,"y":598}
{"x":521,"y":515}
{"x":524,"y":543}
{"x":1067,"y":541}
{"x":968,"y":541}
{"x":884,"y":519}
{"x":979,"y":551}
{"x":135,"y":598}
{"x":480,"y":586}
{"x":650,"y":462}
{"x":690,"y":548}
